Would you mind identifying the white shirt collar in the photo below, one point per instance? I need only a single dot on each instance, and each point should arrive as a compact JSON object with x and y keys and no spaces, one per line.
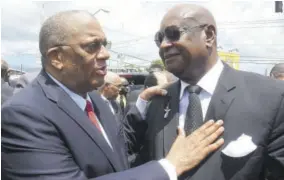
{"x":79,"y":100}
{"x":105,"y":99}
{"x":209,"y":81}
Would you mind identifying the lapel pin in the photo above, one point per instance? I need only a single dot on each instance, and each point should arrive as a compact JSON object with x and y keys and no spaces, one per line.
{"x":167,"y":110}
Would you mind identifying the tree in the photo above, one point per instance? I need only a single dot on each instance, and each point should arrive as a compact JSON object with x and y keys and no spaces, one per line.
{"x":156,"y":64}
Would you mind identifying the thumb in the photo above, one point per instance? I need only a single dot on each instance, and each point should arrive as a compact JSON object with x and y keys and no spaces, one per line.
{"x":181,"y":132}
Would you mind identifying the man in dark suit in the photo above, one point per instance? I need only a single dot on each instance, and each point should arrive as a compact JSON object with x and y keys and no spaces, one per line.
{"x":54,"y":129}
{"x":251,"y":105}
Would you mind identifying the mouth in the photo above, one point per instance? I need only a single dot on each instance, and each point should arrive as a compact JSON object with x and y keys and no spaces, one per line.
{"x":170,"y":57}
{"x":102,"y":70}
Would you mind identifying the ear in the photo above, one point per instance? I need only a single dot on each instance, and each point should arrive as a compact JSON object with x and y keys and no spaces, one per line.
{"x":210,"y":32}
{"x":55,"y":57}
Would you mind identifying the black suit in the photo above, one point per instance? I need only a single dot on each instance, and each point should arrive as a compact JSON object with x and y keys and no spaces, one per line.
{"x":45,"y":135}
{"x":248,"y":103}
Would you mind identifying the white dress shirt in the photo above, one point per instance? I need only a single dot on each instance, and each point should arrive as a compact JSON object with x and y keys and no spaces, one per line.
{"x":208,"y":84}
{"x":81,"y":102}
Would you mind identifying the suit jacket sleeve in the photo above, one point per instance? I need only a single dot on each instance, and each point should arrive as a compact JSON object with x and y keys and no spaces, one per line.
{"x":136,"y":128}
{"x":275,"y":160}
{"x":33,"y":149}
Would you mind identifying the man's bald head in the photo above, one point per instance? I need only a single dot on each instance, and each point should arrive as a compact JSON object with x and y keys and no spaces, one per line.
{"x":112,"y":78}
{"x":4,"y":70}
{"x":190,"y":14}
{"x":188,"y":42}
{"x":111,"y":88}
{"x":60,"y":28}
{"x":277,"y":71}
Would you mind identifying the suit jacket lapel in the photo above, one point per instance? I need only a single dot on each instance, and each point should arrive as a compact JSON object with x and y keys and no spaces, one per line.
{"x":108,"y":121}
{"x":170,"y":129}
{"x":223,"y":96}
{"x":66,"y":104}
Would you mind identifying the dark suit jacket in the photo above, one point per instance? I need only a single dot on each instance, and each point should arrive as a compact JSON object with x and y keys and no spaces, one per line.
{"x":6,"y":91}
{"x":45,"y":135}
{"x":248,"y":103}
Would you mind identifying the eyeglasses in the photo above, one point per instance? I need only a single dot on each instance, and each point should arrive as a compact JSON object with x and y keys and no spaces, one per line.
{"x":119,"y":86}
{"x":173,"y":33}
{"x":90,"y":47}
{"x":96,"y":45}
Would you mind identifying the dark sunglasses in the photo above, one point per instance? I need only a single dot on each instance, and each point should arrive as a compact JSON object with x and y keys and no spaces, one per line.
{"x":173,"y":33}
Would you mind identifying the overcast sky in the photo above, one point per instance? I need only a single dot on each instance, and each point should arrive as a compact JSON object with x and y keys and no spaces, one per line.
{"x":250,"y":26}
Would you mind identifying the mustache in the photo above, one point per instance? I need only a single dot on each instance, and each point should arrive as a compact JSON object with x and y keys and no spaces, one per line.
{"x":179,"y":49}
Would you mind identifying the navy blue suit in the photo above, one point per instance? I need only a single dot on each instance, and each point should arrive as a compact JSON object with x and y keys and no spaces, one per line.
{"x":45,"y":135}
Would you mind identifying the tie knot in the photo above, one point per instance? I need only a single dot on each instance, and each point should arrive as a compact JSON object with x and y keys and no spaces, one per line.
{"x":89,"y":106}
{"x":194,"y":89}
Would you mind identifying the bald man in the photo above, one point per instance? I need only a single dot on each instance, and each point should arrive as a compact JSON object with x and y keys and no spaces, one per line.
{"x":277,"y":72}
{"x":110,"y":91}
{"x":6,"y":89}
{"x":251,"y":105}
{"x":57,"y":129}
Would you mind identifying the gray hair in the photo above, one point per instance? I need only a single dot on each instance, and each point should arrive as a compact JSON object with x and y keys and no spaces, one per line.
{"x":58,"y":30}
{"x":110,"y":78}
{"x":277,"y":70}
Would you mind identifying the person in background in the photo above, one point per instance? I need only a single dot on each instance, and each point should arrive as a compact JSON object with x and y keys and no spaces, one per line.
{"x":6,"y":89}
{"x":110,"y":91}
{"x":121,"y":99}
{"x":158,"y":78}
{"x":277,"y":72}
{"x":57,"y":128}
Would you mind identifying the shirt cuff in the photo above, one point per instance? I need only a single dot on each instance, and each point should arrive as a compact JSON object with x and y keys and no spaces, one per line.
{"x":169,"y":168}
{"x":141,"y":105}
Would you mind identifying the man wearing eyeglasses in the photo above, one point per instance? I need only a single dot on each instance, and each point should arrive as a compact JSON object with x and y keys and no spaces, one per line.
{"x":110,"y":91}
{"x":57,"y":129}
{"x":252,"y":106}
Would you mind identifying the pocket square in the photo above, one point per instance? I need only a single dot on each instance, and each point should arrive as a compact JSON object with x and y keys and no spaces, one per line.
{"x":240,"y":147}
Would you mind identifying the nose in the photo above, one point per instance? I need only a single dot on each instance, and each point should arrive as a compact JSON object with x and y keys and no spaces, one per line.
{"x":103,"y":54}
{"x":166,"y":43}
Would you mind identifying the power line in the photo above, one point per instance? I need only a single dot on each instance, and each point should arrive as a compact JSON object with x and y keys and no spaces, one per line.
{"x":251,"y":22}
{"x":129,"y":63}
{"x":246,"y":27}
{"x":132,"y":40}
{"x":131,"y":56}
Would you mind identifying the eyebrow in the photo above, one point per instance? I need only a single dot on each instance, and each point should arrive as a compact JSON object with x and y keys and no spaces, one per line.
{"x":93,"y":39}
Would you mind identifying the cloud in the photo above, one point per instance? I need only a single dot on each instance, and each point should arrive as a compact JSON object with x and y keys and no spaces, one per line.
{"x":250,"y":26}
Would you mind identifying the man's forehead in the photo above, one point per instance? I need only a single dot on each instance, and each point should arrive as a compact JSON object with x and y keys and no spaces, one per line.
{"x":89,"y":31}
{"x":178,"y":20}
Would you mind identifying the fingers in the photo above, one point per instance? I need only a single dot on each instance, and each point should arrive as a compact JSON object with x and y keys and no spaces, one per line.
{"x":181,"y":132}
{"x":211,"y":129}
{"x":205,"y":125}
{"x":200,"y":133}
{"x":212,"y":137}
{"x":165,"y":85}
{"x":152,"y":91}
{"x":213,"y":147}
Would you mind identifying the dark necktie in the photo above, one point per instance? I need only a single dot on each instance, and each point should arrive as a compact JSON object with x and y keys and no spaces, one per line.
{"x":91,"y":114}
{"x":121,"y":103}
{"x":194,"y":117}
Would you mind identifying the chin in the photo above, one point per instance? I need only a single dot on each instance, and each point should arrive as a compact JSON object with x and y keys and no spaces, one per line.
{"x":97,"y":83}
